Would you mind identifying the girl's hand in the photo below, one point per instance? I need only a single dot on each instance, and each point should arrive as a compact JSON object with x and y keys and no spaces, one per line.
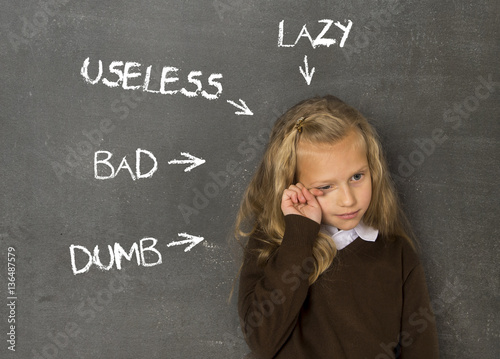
{"x":299,"y":200}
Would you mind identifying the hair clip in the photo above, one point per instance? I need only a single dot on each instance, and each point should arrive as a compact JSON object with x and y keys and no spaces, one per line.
{"x":298,"y":126}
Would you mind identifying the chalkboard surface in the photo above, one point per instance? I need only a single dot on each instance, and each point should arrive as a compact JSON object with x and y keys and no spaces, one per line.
{"x":129,"y":130}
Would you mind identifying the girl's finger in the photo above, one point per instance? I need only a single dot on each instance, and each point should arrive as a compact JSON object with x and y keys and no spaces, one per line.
{"x":302,"y":188}
{"x":311,"y":194}
{"x":298,"y":190}
{"x":290,"y":194}
{"x":308,"y":195}
{"x":316,"y":192}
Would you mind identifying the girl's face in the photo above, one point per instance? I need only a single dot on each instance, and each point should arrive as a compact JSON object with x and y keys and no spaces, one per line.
{"x":341,"y":171}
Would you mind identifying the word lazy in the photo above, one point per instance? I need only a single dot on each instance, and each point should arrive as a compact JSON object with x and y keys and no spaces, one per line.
{"x":100,"y":162}
{"x":126,"y":75}
{"x":320,"y":40}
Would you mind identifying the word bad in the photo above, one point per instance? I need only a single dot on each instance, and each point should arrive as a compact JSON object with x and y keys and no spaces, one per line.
{"x":116,"y":253}
{"x":123,"y":164}
{"x":320,"y":40}
{"x":129,"y":76}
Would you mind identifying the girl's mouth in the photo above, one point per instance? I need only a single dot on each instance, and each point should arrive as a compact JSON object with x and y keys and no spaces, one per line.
{"x":350,"y":215}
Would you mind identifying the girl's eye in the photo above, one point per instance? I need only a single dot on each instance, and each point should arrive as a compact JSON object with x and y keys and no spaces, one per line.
{"x":324,"y":188}
{"x":357,"y":177}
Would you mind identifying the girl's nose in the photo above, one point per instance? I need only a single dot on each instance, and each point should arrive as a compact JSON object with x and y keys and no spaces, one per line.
{"x":346,"y":197}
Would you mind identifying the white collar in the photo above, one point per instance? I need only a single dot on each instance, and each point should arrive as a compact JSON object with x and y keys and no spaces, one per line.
{"x":343,"y":238}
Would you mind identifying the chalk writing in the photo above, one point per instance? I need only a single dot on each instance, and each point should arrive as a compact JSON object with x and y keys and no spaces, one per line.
{"x":305,"y":72}
{"x":126,"y":75}
{"x":116,"y":253}
{"x":123,"y":165}
{"x":191,"y":240}
{"x":242,"y":106}
{"x":320,"y":40}
{"x":194,"y":161}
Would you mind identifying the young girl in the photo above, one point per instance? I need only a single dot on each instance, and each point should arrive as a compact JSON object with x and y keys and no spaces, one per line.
{"x":329,"y":269}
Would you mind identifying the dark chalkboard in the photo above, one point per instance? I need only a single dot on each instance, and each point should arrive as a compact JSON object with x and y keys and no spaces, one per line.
{"x":96,"y":249}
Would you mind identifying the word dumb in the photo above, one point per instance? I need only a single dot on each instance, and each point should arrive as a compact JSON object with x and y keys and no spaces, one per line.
{"x":125,"y":74}
{"x":320,"y":40}
{"x":116,"y":253}
{"x":124,"y":165}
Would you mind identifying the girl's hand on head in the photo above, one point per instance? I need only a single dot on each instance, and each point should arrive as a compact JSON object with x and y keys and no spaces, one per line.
{"x":299,"y":200}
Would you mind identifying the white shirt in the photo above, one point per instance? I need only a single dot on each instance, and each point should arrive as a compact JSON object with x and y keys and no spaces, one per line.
{"x":343,"y":238}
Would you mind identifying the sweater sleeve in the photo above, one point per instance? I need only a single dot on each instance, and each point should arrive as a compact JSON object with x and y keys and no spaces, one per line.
{"x":270,"y":298}
{"x":418,"y":326}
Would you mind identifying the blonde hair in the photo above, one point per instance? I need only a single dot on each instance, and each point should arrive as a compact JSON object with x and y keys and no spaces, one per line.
{"x":327,"y":120}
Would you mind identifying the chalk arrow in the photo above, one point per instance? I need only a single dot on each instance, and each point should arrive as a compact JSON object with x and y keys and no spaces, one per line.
{"x":192,"y":240}
{"x":243,"y":107}
{"x":307,"y":76}
{"x":194,"y":160}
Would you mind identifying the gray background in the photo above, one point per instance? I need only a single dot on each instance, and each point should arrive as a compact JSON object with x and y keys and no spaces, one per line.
{"x":410,"y":67}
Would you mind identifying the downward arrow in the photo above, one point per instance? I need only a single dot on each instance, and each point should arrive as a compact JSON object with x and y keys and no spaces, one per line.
{"x":243,"y":107}
{"x":194,"y":160}
{"x":307,"y":76}
{"x":192,"y":240}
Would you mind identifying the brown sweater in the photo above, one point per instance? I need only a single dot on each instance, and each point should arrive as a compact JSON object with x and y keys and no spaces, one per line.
{"x":372,"y":303}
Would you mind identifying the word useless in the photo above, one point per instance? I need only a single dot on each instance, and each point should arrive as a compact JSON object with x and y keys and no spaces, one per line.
{"x":129,"y":76}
